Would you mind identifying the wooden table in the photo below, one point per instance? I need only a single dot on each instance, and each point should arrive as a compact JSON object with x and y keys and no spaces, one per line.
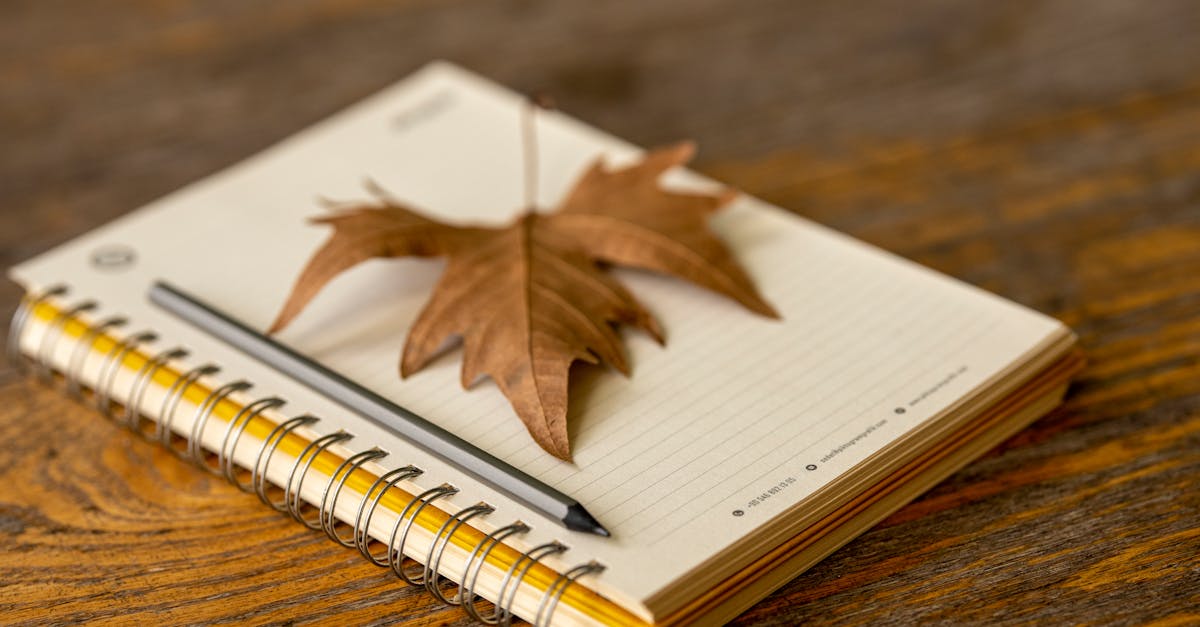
{"x":1047,"y":151}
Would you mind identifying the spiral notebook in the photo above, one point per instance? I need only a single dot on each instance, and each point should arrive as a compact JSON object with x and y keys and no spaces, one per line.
{"x":734,"y":457}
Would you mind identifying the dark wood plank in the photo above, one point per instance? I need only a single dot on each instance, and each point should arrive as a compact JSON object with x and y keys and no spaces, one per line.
{"x":1046,"y":150}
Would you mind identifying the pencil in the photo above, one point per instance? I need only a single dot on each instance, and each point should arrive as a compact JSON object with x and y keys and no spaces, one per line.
{"x":396,"y":419}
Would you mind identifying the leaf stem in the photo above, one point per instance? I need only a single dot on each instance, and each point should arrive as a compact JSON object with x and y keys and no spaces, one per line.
{"x":529,"y":147}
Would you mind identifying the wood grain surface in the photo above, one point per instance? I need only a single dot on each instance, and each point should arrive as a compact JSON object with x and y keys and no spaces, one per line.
{"x":1047,"y":151}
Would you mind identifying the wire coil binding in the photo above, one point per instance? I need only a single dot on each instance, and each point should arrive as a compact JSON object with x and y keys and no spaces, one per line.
{"x":141,"y":383}
{"x":396,"y":549}
{"x":437,"y":547}
{"x":291,"y":496}
{"x":175,"y":394}
{"x":234,"y":430}
{"x":362,"y":539}
{"x":195,"y":450}
{"x":133,"y":417}
{"x":50,"y":338}
{"x":333,"y":490}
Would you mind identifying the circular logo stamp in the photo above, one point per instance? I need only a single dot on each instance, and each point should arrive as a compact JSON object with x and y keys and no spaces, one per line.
{"x":113,"y":257}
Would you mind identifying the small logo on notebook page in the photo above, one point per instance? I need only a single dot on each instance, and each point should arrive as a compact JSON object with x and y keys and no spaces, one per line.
{"x":113,"y":257}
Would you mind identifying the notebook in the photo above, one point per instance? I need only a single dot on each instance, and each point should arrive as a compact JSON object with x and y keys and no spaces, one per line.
{"x":735,"y":456}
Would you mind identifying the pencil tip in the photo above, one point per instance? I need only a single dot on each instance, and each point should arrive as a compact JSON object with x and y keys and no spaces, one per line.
{"x":578,"y":519}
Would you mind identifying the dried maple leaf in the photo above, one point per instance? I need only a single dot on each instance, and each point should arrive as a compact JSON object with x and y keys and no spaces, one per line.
{"x":529,"y":299}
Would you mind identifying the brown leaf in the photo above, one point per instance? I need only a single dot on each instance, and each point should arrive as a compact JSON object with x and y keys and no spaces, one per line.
{"x":364,"y":233}
{"x":625,"y":218}
{"x":529,"y":299}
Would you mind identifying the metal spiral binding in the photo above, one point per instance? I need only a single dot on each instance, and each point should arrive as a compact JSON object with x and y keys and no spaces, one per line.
{"x":81,"y":351}
{"x":396,"y":551}
{"x":16,"y":327}
{"x":437,"y":547}
{"x":234,"y":430}
{"x":258,"y":474}
{"x":291,"y":496}
{"x":466,"y":590}
{"x":393,"y":557}
{"x":50,"y":338}
{"x":554,"y":592}
{"x":333,"y":490}
{"x":195,"y":450}
{"x":504,"y":600}
{"x":385,"y":482}
{"x":175,"y":393}
{"x":141,"y":383}
{"x":112,"y":365}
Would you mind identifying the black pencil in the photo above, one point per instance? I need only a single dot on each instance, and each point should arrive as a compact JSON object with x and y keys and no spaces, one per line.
{"x":404,"y":423}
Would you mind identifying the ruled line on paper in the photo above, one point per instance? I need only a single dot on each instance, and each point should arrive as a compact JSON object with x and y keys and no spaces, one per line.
{"x":622,"y":448}
{"x":717,"y":457}
{"x":781,"y":445}
{"x":825,"y":374}
{"x":701,"y":366}
{"x":651,"y":451}
{"x":817,"y":442}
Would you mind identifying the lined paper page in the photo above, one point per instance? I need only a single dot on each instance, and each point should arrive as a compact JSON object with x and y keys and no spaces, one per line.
{"x":736,"y":419}
{"x":731,"y":413}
